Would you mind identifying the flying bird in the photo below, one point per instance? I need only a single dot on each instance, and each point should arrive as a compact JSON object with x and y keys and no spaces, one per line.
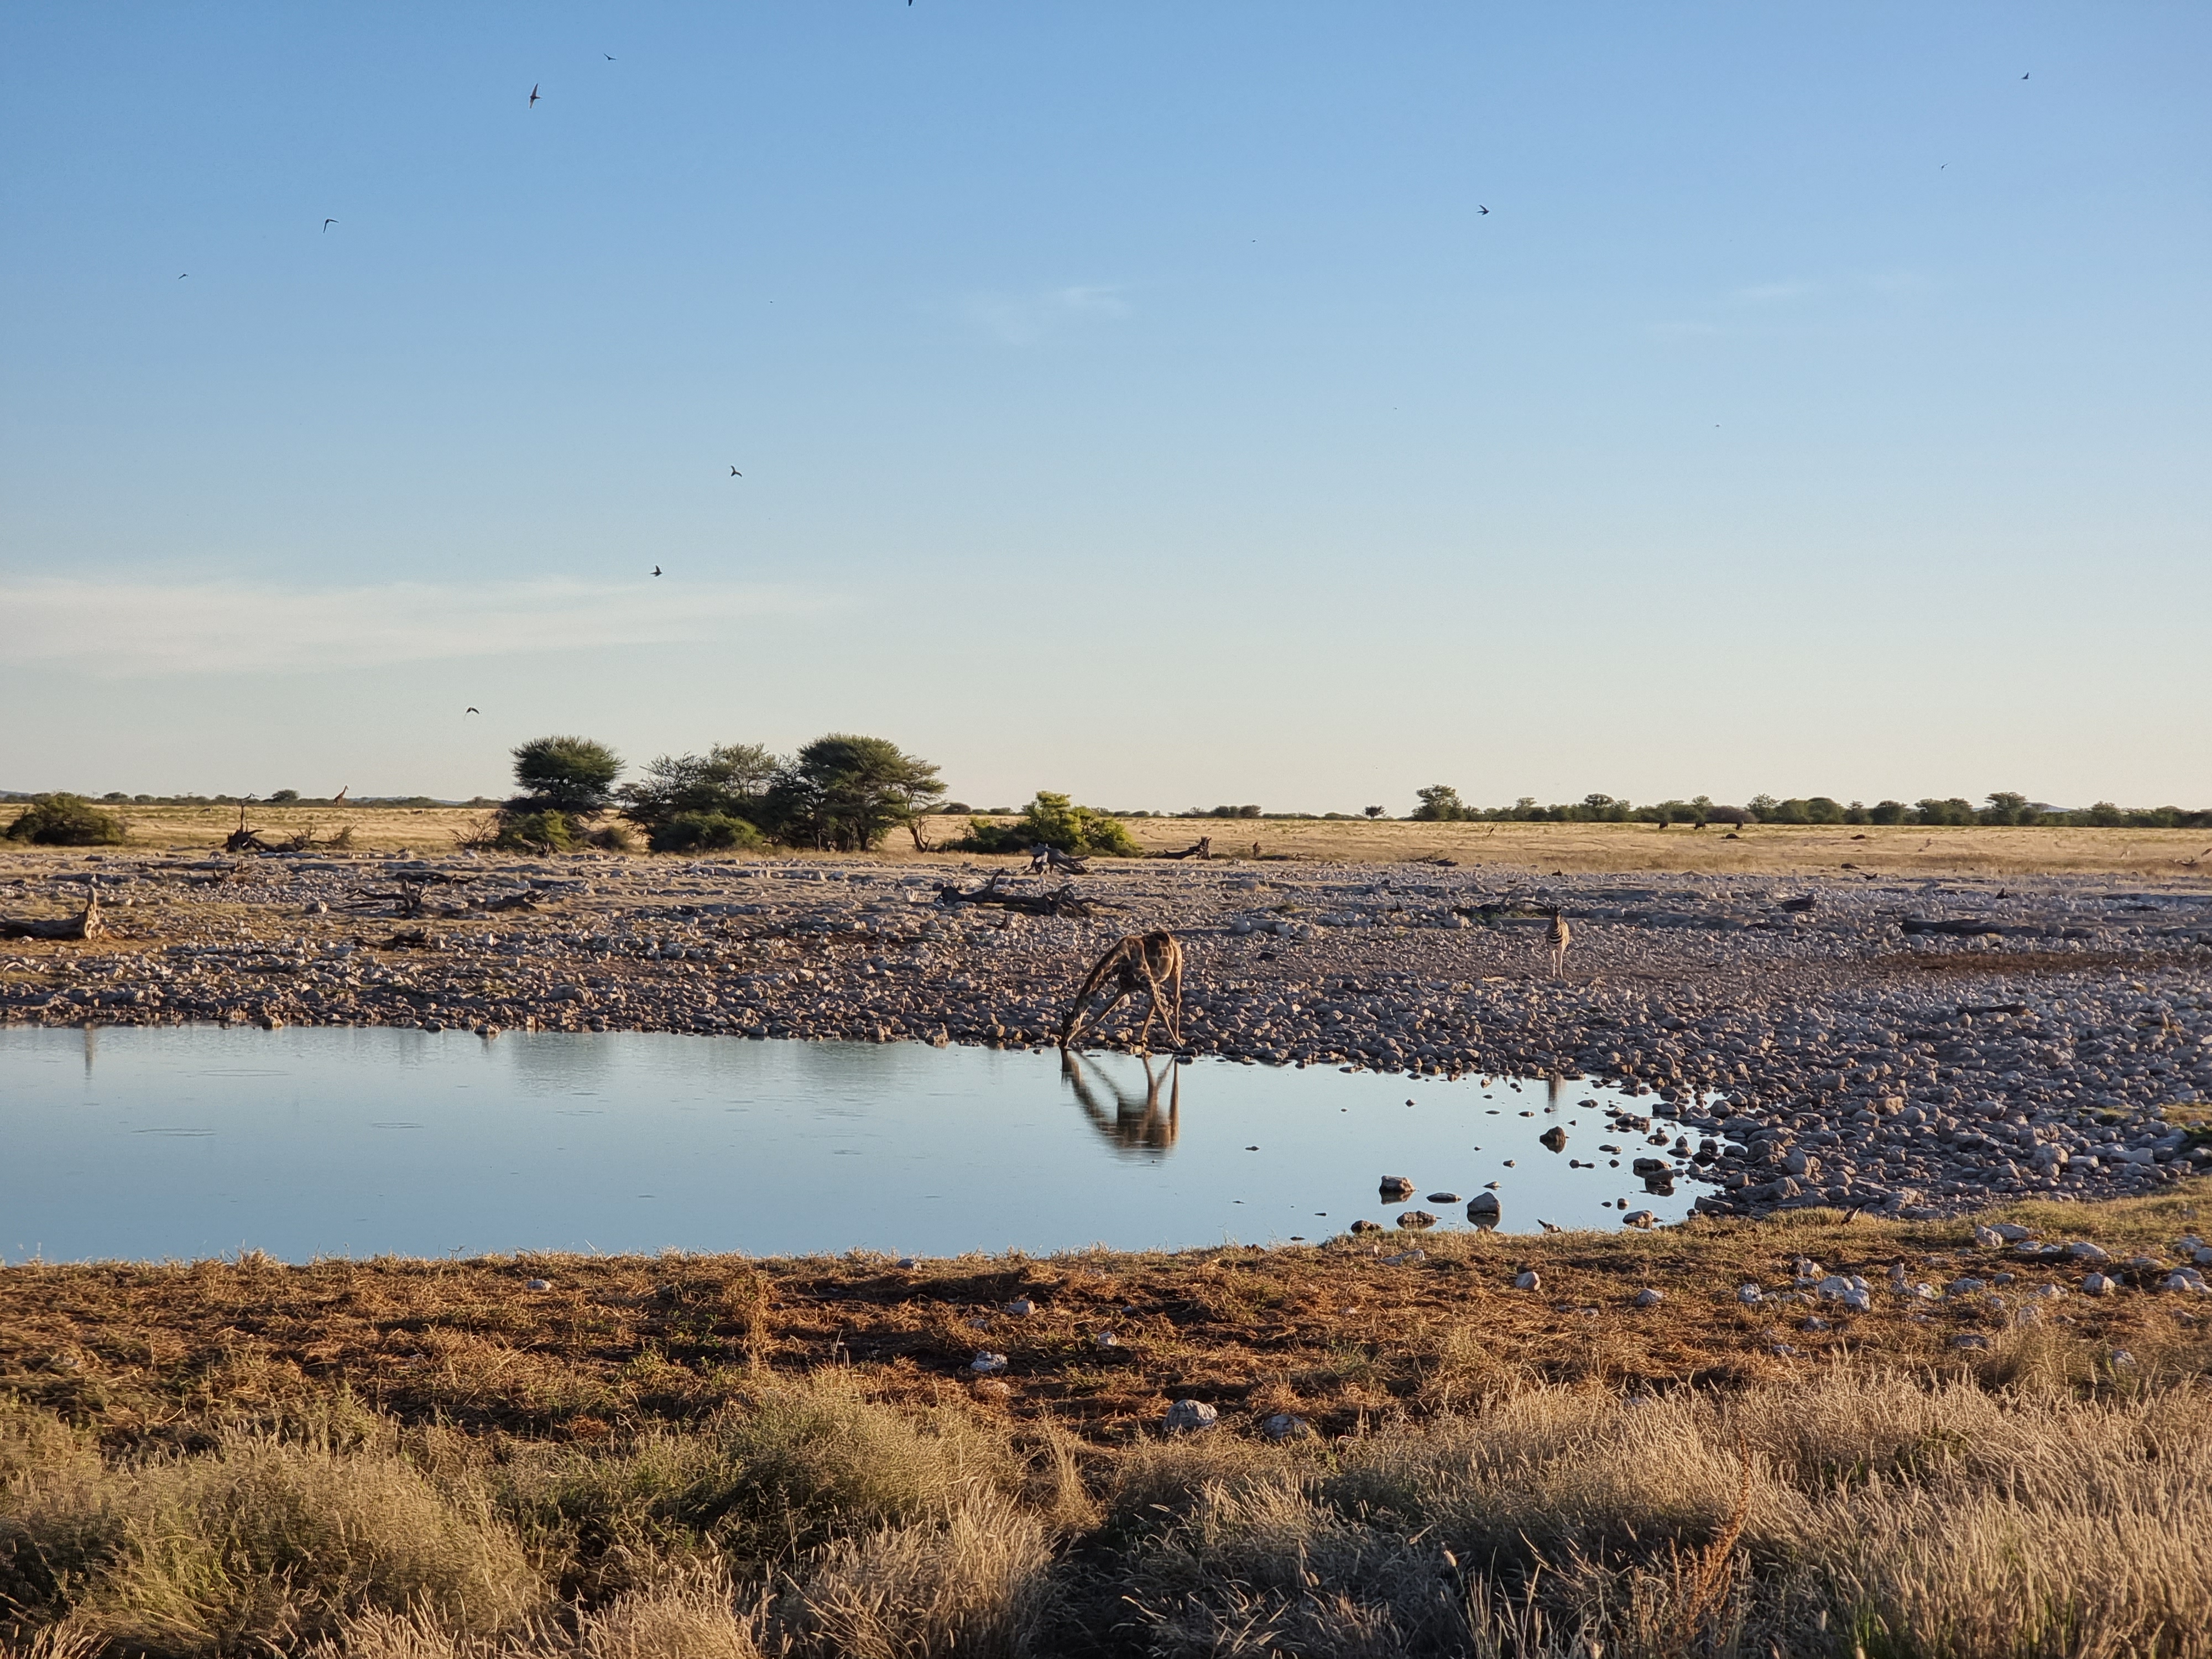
{"x":465,"y":713}
{"x":609,"y":56}
{"x":2022,"y":77}
{"x":182,"y":275}
{"x":734,"y":473}
{"x":656,"y":570}
{"x":1485,"y":210}
{"x":533,"y":92}
{"x":327,"y":223}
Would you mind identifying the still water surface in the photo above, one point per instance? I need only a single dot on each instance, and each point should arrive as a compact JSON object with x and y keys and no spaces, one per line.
{"x":148,"y":1143}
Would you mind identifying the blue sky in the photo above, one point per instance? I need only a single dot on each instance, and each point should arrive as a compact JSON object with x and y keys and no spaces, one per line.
{"x":1132,"y":400}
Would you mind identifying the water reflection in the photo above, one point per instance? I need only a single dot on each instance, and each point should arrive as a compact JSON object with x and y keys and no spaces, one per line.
{"x":195,"y":1140}
{"x":1137,"y":1124}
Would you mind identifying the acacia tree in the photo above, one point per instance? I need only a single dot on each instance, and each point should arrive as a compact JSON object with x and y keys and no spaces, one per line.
{"x":847,"y":792}
{"x":731,"y":779}
{"x":1440,"y":803}
{"x":569,"y":774}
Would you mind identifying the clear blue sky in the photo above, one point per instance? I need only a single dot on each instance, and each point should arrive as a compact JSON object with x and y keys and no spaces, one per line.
{"x":1132,"y":398}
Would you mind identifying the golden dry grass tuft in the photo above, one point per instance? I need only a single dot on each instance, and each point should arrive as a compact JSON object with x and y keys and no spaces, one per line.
{"x":671,"y":1457}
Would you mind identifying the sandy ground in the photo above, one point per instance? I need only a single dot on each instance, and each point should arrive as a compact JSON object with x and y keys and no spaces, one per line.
{"x":1587,"y":848}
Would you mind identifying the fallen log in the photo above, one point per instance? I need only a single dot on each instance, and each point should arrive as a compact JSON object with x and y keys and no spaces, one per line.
{"x":85,"y":924}
{"x":1965,"y":927}
{"x":1064,"y":902}
{"x":1043,"y":858}
{"x":1201,"y":848}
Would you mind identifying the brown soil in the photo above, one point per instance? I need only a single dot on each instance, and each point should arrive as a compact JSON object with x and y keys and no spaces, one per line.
{"x":1334,"y":1331}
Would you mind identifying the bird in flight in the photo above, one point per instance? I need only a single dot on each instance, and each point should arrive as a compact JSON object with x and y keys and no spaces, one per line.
{"x":182,"y":275}
{"x":656,"y":570}
{"x":609,"y":56}
{"x":327,"y":223}
{"x":465,"y":713}
{"x":533,"y":92}
{"x":2022,"y":77}
{"x":1485,"y":210}
{"x":734,"y":473}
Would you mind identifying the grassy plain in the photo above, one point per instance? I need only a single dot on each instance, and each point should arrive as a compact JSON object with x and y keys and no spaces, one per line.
{"x":661,"y":1457}
{"x":1776,"y":849}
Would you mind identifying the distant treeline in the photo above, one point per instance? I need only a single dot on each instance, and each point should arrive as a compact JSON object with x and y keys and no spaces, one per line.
{"x":280,"y":798}
{"x":1440,"y":803}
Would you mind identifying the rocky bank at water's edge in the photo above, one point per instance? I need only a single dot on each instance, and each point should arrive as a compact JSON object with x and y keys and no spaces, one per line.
{"x":1915,"y":1047}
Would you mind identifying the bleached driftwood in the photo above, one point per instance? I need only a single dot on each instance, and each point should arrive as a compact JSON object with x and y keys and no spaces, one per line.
{"x":84,"y":926}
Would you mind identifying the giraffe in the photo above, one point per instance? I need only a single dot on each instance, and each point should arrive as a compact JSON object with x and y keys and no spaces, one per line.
{"x":1150,"y":963}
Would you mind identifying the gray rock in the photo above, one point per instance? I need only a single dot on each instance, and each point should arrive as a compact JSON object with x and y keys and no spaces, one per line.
{"x":1417,"y":1219}
{"x":1442,"y":1198}
{"x":1021,"y":1307}
{"x":2085,"y":1251}
{"x":1750,"y":1295}
{"x":1396,"y":1186}
{"x":1555,"y":1138}
{"x":1529,"y":1280}
{"x":539,"y":1284}
{"x":1284,"y":1427}
{"x":1190,"y":1415}
{"x":1642,"y":1218}
{"x":1648,"y":1297}
{"x":984,"y":1363}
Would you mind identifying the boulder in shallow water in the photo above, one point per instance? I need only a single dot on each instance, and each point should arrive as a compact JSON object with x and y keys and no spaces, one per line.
{"x":1555,"y":1138}
{"x":1416,"y":1219}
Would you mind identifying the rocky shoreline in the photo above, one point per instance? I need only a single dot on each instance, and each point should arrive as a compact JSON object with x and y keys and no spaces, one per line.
{"x":1911,"y":1047}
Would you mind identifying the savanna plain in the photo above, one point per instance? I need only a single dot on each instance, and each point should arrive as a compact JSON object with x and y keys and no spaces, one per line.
{"x":1925,"y":1374}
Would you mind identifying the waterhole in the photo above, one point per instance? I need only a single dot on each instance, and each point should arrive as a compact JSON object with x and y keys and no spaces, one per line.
{"x":184,"y":1142}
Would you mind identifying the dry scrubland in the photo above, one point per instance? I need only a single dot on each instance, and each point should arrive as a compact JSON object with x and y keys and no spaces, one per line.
{"x":1776,"y":848}
{"x":660,"y":1458}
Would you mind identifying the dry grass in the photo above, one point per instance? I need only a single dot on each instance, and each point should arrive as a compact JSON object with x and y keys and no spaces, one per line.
{"x":680,"y":1456}
{"x":1579,"y":848}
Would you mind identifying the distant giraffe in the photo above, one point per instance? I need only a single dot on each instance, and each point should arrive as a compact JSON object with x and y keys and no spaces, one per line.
{"x":1562,"y":937}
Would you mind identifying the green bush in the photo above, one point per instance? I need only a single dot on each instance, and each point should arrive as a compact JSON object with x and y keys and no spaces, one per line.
{"x":1054,"y":820}
{"x":538,"y":832}
{"x":703,"y":832}
{"x":66,"y":821}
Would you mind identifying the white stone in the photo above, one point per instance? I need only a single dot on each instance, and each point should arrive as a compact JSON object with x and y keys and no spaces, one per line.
{"x":984,"y":1363}
{"x":1749,"y":1295}
{"x":1191,"y":1414}
{"x":1648,"y":1297}
{"x":1528,"y":1281}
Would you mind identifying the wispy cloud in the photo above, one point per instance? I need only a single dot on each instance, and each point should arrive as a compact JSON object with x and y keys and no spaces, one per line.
{"x":128,"y":628}
{"x":1026,"y":319}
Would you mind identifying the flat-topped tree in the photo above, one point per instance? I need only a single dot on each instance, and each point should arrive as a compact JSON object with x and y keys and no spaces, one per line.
{"x":575,"y":775}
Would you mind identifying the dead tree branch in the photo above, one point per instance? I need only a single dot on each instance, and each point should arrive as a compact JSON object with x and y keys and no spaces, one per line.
{"x":85,"y":924}
{"x":1064,"y":902}
{"x":1201,"y":848}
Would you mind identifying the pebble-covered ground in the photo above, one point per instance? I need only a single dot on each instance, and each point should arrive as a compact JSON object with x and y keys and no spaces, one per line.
{"x":1909,"y":1046}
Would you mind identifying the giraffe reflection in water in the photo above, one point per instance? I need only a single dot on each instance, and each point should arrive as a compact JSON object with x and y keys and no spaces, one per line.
{"x":1138,"y":1122}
